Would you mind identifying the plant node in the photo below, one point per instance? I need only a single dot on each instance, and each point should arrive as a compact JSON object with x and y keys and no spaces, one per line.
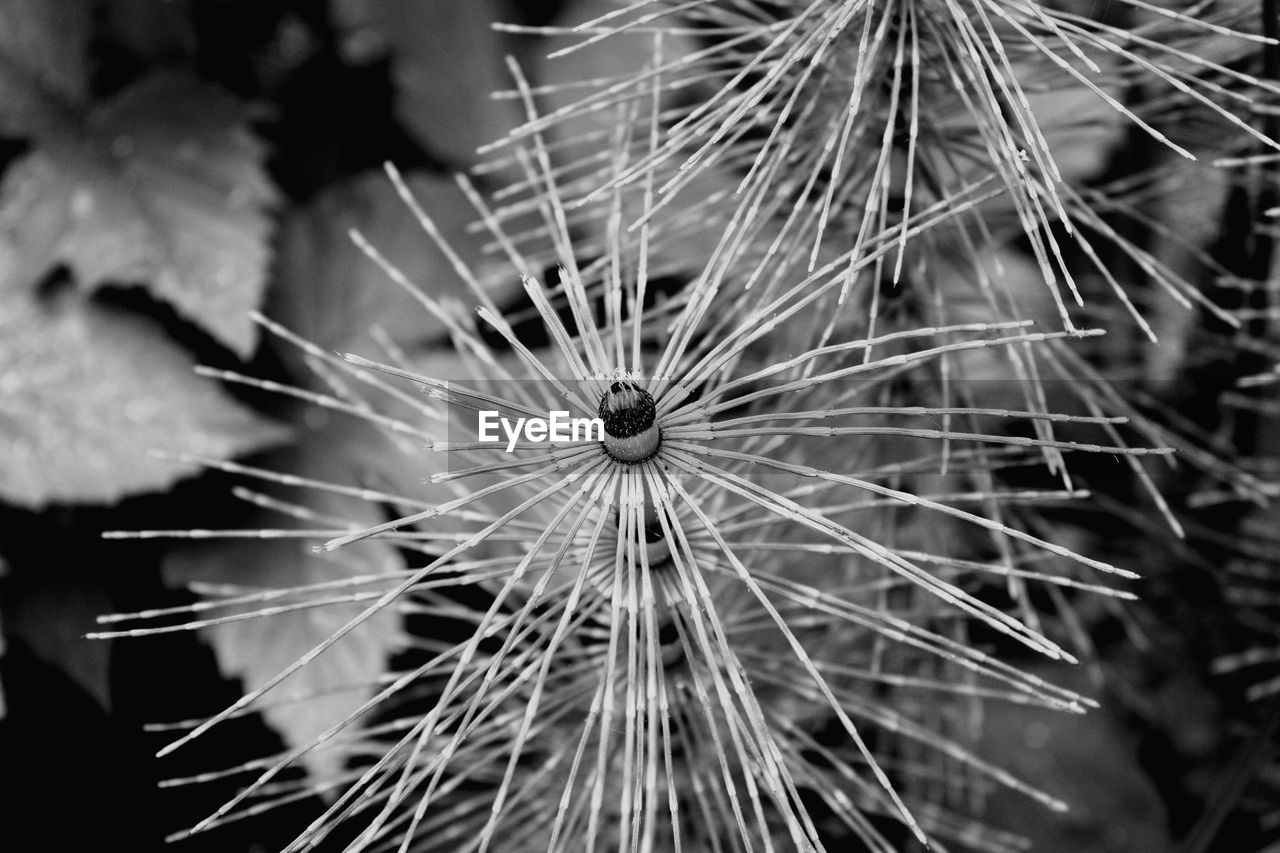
{"x":631,"y":433}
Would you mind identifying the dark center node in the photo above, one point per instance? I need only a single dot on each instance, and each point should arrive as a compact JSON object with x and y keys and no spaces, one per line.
{"x":629,"y":414}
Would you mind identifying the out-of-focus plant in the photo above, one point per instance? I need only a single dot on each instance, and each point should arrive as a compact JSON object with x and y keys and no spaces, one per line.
{"x":159,"y":186}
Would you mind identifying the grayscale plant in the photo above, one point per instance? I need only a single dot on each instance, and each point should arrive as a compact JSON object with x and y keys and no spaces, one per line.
{"x":770,"y":608}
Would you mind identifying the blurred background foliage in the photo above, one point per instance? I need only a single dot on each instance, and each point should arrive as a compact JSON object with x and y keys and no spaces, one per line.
{"x":171,"y":166}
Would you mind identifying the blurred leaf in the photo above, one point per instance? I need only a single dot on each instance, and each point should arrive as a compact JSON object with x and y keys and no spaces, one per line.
{"x":1088,"y":761}
{"x":446,"y":62}
{"x":332,"y":294}
{"x":1082,"y":129}
{"x":328,"y":689}
{"x":42,"y":63}
{"x":1188,"y":203}
{"x":86,"y":391}
{"x":51,"y":611}
{"x":164,"y":188}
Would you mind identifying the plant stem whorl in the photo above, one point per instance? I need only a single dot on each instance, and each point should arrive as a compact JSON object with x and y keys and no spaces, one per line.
{"x":630,"y":431}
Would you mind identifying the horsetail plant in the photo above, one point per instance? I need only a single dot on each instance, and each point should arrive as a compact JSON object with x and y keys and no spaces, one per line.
{"x":642,"y":649}
{"x":763,"y":610}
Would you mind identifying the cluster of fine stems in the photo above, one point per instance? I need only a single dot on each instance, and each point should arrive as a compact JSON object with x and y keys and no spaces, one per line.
{"x":842,"y":293}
